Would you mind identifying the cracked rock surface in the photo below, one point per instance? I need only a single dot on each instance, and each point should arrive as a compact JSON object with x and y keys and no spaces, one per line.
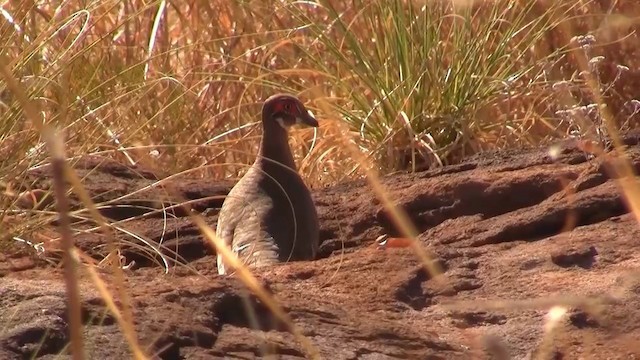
{"x":514,"y":232}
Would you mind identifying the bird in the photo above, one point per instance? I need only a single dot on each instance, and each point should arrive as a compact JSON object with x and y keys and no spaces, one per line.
{"x":269,"y":215}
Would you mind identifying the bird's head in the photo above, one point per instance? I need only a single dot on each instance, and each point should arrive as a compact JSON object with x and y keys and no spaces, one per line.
{"x":286,"y":110}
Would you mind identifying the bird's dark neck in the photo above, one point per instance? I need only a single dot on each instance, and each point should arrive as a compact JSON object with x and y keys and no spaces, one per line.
{"x":274,"y":150}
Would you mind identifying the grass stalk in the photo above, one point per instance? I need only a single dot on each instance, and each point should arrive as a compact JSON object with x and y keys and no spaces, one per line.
{"x":250,"y":281}
{"x":58,"y":163}
{"x":31,"y":113}
{"x":74,"y":306}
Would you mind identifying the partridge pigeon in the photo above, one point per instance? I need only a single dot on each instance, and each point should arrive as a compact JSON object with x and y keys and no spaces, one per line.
{"x":269,"y":216}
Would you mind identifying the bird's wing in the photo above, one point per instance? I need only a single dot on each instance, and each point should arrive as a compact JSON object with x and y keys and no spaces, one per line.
{"x":228,"y":218}
{"x":252,"y":243}
{"x":241,"y":227}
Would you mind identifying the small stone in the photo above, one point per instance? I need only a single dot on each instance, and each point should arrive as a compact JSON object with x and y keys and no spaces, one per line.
{"x":583,"y":258}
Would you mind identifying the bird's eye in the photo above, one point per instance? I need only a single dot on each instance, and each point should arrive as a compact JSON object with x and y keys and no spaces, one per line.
{"x":287,"y":107}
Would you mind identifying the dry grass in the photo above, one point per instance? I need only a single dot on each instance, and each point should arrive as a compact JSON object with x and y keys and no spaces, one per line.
{"x":407,"y":84}
{"x":159,"y":81}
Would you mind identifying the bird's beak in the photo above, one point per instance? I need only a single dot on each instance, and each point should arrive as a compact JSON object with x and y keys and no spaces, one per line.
{"x":307,"y":119}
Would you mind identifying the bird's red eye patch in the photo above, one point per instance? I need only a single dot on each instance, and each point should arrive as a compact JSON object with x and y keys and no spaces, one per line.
{"x":286,"y":107}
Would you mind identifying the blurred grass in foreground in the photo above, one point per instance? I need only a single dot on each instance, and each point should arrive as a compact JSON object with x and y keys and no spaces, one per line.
{"x":417,"y":83}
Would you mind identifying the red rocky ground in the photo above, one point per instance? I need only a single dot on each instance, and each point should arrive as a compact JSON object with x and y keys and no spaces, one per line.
{"x":499,"y":225}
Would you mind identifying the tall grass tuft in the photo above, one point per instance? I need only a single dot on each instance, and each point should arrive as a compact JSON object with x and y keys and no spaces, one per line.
{"x":430,"y":81}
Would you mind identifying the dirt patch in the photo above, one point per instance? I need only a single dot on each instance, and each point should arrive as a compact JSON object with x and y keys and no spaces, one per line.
{"x":509,"y":226}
